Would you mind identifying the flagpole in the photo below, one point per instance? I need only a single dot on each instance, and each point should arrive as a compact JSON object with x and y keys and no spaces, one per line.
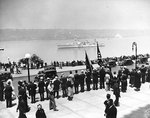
{"x":135,"y":44}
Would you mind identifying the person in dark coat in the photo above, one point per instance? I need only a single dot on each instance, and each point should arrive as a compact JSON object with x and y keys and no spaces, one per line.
{"x":95,"y":79}
{"x":116,"y":92}
{"x":8,"y":95}
{"x":41,"y":86}
{"x":124,"y":82}
{"x":63,"y":80}
{"x":102,"y":76}
{"x":21,"y":107}
{"x":148,"y":75}
{"x":143,"y":73}
{"x":106,"y":103}
{"x":1,"y":91}
{"x":40,"y":113}
{"x":56,"y":87}
{"x":112,"y":110}
{"x":82,"y":79}
{"x":137,"y":83}
{"x":76,"y":82}
{"x":22,"y":92}
{"x":119,"y":75}
{"x":132,"y":78}
{"x":32,"y":91}
{"x":88,"y":80}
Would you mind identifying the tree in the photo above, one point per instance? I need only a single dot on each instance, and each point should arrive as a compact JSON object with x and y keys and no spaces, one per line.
{"x":36,"y":60}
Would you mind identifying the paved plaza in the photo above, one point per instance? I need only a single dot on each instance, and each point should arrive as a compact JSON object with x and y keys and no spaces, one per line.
{"x":85,"y":105}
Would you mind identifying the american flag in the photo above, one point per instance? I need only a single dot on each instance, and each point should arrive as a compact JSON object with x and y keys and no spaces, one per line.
{"x":99,"y":56}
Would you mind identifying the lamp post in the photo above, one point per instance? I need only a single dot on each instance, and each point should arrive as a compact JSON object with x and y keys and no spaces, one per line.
{"x":134,"y":44}
{"x":27,"y":56}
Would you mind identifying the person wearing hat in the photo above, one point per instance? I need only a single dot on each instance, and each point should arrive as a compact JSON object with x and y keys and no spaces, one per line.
{"x":1,"y":90}
{"x":32,"y":90}
{"x":63,"y":81}
{"x":52,"y":103}
{"x":22,"y":92}
{"x":81,"y":81}
{"x":116,"y":92}
{"x":56,"y":87}
{"x":76,"y":82}
{"x":143,"y":73}
{"x":41,"y":86}
{"x":8,"y":94}
{"x":46,"y":85}
{"x":102,"y":73}
{"x":21,"y":107}
{"x":70,"y":84}
{"x":137,"y":83}
{"x":40,"y":113}
{"x":95,"y":79}
{"x":107,"y":81}
{"x":124,"y":82}
{"x":106,"y":103}
{"x":112,"y":110}
{"x":88,"y":80}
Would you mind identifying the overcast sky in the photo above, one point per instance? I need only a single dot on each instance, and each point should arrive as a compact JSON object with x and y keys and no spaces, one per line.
{"x":75,"y":14}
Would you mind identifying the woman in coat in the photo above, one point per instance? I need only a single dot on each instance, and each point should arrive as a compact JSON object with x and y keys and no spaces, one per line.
{"x":22,"y":108}
{"x":40,"y":113}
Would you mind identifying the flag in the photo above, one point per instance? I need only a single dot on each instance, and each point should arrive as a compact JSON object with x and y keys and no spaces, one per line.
{"x":99,"y":56}
{"x":88,"y":63}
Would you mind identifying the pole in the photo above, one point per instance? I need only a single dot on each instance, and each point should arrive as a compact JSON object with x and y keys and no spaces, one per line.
{"x":28,"y":70}
{"x":135,"y":44}
{"x":135,"y":56}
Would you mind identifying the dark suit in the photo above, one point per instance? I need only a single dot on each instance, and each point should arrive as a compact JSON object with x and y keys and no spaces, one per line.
{"x":64,"y":86}
{"x":56,"y":88}
{"x":22,"y":108}
{"x":102,"y":76}
{"x":111,"y":112}
{"x":1,"y":91}
{"x":8,"y":95}
{"x":76,"y":82}
{"x":88,"y":81}
{"x":41,"y":89}
{"x":95,"y":80}
{"x":33,"y":92}
{"x":116,"y":93}
{"x":82,"y":77}
{"x":106,"y":103}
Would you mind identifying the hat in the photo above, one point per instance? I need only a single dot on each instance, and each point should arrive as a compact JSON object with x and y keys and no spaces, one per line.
{"x":82,"y":71}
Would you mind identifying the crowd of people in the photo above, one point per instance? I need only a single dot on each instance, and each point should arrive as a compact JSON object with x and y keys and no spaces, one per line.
{"x":49,"y":88}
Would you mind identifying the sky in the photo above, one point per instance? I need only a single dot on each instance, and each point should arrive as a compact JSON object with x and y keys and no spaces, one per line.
{"x":74,"y":14}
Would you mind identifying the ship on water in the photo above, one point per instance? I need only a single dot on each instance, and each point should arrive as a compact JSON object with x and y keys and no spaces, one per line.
{"x":78,"y":44}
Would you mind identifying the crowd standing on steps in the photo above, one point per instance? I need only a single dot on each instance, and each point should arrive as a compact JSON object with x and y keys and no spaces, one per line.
{"x":101,"y":78}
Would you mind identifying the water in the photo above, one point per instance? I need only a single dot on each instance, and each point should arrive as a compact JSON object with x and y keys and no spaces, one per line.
{"x":16,"y":48}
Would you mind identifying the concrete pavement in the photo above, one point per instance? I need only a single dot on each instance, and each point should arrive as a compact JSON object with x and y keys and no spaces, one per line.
{"x":85,"y":105}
